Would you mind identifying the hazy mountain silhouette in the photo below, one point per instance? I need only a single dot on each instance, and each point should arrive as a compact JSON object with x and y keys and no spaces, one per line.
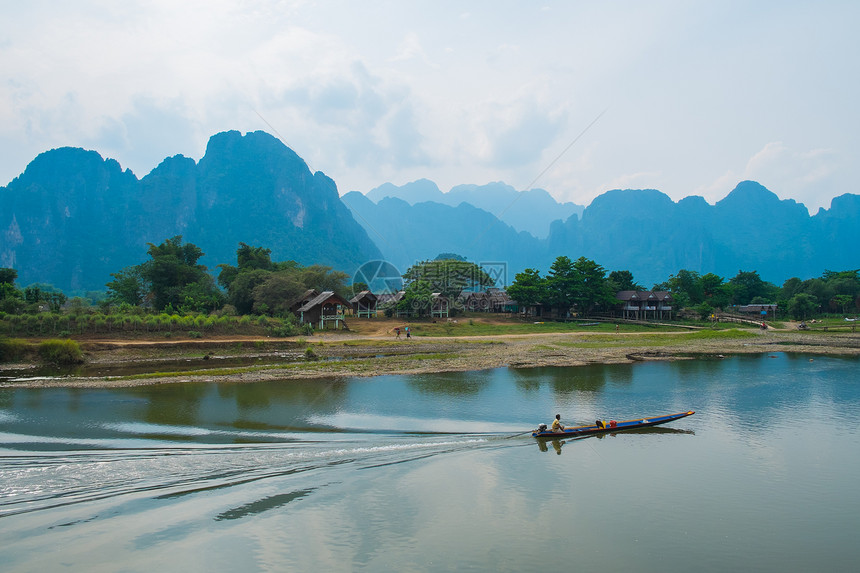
{"x":409,"y":233}
{"x":641,"y":230}
{"x":532,"y":211}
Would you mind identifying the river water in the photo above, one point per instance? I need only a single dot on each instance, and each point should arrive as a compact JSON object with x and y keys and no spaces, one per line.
{"x":434,"y":473}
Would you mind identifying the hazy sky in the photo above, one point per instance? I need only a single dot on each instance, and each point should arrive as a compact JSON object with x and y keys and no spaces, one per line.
{"x":694,"y":96}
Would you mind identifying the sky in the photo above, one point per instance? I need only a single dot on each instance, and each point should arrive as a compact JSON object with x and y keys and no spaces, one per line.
{"x":574,"y":97}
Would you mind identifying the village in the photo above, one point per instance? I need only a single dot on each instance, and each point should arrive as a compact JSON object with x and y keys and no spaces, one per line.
{"x":328,"y":310}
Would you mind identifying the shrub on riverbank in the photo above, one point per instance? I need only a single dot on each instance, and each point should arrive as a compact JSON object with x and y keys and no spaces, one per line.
{"x":60,"y":352}
{"x":12,"y":349}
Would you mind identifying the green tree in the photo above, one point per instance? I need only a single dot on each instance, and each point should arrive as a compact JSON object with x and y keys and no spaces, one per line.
{"x":623,"y":280}
{"x":276,"y":293}
{"x":528,"y":288}
{"x":561,"y":284}
{"x":357,"y":287}
{"x":449,"y":277}
{"x":746,"y":286}
{"x":686,"y":288}
{"x":259,"y":285}
{"x":250,"y":258}
{"x":128,"y":286}
{"x":176,"y":279}
{"x":790,"y":288}
{"x":802,"y":306}
{"x":240,"y":292}
{"x":322,"y":278}
{"x":8,"y":276}
{"x":842,"y":301}
{"x":592,"y":287}
{"x":417,"y":298}
{"x":11,"y":299}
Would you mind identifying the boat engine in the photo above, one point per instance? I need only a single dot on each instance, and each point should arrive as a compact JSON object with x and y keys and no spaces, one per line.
{"x":541,"y":428}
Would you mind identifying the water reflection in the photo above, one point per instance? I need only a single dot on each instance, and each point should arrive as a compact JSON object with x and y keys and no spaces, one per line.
{"x":739,"y":392}
{"x":556,"y":444}
{"x":450,"y":384}
{"x":178,"y":408}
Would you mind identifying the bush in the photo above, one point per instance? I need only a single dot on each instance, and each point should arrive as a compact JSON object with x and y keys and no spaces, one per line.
{"x":61,"y":352}
{"x":284,"y":330}
{"x":194,"y":334}
{"x":12,"y":349}
{"x":310,"y":354}
{"x":704,"y":310}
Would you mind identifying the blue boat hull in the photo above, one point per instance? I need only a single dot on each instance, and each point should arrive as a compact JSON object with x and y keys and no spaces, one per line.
{"x":618,"y":427}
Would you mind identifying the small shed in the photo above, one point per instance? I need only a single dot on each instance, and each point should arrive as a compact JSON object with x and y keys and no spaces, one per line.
{"x":390,"y":300}
{"x":762,"y":310}
{"x":364,"y":304}
{"x":440,"y":306}
{"x":326,"y":308}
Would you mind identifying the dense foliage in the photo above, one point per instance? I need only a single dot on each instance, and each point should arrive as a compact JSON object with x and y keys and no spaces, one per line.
{"x":581,"y":285}
{"x":834,"y":292}
{"x":259,"y":285}
{"x":171,"y":279}
{"x":448,"y":277}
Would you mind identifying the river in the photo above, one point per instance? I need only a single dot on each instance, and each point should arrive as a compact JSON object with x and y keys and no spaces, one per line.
{"x":435,"y":472}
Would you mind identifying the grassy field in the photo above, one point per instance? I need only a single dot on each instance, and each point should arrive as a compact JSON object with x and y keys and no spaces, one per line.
{"x":494,"y":325}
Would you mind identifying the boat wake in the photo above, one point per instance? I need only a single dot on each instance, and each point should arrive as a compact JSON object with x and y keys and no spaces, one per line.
{"x":54,"y":472}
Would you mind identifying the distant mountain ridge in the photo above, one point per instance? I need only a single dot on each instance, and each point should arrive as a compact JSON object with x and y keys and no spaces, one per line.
{"x":532,"y":211}
{"x":72,"y":217}
{"x":640,"y":230}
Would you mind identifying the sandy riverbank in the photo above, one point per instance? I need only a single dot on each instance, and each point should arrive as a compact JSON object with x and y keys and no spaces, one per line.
{"x":333,"y":355}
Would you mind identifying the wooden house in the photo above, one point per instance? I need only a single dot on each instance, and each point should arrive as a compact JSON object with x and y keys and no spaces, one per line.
{"x":642,"y":305}
{"x":327,"y":308}
{"x":364,"y":304}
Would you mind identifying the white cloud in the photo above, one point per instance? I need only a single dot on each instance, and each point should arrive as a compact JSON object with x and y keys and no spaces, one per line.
{"x":375,"y":91}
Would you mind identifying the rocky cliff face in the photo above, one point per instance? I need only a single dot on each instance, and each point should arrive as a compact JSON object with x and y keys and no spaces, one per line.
{"x":73,"y":217}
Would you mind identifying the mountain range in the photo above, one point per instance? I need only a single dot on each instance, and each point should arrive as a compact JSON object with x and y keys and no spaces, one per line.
{"x":641,"y":230}
{"x":72,"y":218}
{"x":532,"y":210}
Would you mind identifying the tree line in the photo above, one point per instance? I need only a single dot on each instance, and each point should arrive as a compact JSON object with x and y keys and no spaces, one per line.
{"x":585,"y":286}
{"x":173,"y":285}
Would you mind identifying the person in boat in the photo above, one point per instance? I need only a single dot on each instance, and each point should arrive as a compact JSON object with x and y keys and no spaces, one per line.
{"x":557,"y":426}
